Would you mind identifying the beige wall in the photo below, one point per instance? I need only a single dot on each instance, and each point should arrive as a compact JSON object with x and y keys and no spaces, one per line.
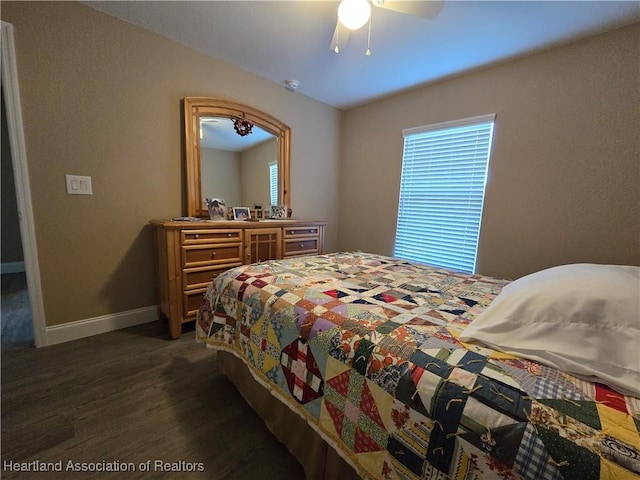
{"x":101,"y":97}
{"x":564,"y":174}
{"x":220,"y":174}
{"x":255,"y":173}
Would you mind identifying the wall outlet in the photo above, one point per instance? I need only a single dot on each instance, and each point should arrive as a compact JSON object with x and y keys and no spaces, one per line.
{"x":79,"y":185}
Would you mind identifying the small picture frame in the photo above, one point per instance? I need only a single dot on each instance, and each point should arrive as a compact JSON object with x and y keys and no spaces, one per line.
{"x":278,"y":212}
{"x":241,"y":213}
{"x":217,"y":208}
{"x":256,"y":212}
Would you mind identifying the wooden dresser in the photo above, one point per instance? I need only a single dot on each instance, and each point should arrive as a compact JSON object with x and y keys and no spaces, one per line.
{"x":189,"y":255}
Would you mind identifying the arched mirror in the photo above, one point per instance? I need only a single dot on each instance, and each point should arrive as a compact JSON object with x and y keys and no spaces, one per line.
{"x":235,"y":152}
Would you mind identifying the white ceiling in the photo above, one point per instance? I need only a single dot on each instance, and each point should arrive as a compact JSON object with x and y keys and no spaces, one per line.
{"x":282,"y":40}
{"x":218,"y":133}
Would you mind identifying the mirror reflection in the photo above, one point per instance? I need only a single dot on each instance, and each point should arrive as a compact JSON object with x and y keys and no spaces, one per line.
{"x":201,"y":116}
{"x":241,"y":169}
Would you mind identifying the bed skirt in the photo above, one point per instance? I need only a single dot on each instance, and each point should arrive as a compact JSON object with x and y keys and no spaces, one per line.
{"x":318,"y":459}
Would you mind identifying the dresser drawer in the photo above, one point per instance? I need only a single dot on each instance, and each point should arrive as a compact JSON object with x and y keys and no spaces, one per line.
{"x":201,"y":255}
{"x":191,"y":301}
{"x":301,"y":246}
{"x":203,"y":276}
{"x":293,"y":232}
{"x":190,"y":237}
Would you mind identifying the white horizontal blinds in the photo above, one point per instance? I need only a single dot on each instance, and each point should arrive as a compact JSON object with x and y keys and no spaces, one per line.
{"x":444,"y":171}
{"x":273,"y":183}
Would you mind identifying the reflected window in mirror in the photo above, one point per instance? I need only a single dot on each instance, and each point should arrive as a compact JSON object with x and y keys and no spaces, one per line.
{"x":273,"y":183}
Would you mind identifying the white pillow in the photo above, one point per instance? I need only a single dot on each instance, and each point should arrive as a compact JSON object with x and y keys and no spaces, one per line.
{"x":583,"y":319}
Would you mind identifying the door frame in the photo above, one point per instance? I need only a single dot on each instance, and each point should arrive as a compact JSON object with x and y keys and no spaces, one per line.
{"x":21,"y":179}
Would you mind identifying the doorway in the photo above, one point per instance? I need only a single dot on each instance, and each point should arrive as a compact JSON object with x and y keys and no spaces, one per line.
{"x":15,"y":310}
{"x":12,"y":121}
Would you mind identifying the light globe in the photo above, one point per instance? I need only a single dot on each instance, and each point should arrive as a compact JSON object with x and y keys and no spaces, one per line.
{"x":353,"y":14}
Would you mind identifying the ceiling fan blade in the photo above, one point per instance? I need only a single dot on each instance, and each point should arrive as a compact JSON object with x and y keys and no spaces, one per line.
{"x":420,"y":8}
{"x":340,"y":37}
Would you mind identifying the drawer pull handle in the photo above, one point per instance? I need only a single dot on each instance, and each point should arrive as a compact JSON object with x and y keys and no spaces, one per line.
{"x":228,"y":235}
{"x":196,"y":236}
{"x":302,"y":245}
{"x":213,"y":254}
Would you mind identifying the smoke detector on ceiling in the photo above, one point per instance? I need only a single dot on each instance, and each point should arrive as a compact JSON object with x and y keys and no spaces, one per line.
{"x":291,"y":85}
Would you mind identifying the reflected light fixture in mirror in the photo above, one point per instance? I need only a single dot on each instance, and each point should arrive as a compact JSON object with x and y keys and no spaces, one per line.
{"x":197,"y":108}
{"x":242,"y":127}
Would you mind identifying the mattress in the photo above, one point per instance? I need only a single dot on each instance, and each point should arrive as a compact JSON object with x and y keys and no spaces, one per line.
{"x":366,"y":351}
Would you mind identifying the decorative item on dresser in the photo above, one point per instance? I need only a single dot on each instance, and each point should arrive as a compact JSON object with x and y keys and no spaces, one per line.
{"x":190,"y":254}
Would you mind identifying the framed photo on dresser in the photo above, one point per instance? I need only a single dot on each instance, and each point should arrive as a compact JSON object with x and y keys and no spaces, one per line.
{"x":241,"y":213}
{"x":278,"y":212}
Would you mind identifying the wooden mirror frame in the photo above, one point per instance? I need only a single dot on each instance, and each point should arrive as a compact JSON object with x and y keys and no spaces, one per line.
{"x":196,"y":107}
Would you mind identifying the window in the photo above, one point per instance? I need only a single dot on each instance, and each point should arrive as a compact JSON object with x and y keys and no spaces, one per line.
{"x":273,"y":183}
{"x":444,"y":170}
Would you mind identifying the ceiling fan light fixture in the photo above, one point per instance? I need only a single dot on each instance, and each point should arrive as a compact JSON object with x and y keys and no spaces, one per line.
{"x":353,"y":14}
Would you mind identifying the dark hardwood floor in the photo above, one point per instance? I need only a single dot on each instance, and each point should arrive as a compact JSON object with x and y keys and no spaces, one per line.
{"x":133,"y":396}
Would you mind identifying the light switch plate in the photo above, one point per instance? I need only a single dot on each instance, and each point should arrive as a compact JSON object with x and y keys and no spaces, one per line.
{"x":79,"y":185}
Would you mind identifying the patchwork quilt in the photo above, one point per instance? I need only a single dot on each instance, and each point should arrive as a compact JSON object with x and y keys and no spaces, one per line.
{"x":366,"y":349}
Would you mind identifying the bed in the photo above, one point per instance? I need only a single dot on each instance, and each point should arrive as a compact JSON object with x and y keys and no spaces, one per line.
{"x":374,"y":367}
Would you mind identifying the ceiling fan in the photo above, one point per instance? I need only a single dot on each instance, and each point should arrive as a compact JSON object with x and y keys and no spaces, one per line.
{"x":354,"y":14}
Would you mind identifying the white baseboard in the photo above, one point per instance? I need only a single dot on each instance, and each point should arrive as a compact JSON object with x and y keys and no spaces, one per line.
{"x":96,"y":325}
{"x":12,"y":267}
